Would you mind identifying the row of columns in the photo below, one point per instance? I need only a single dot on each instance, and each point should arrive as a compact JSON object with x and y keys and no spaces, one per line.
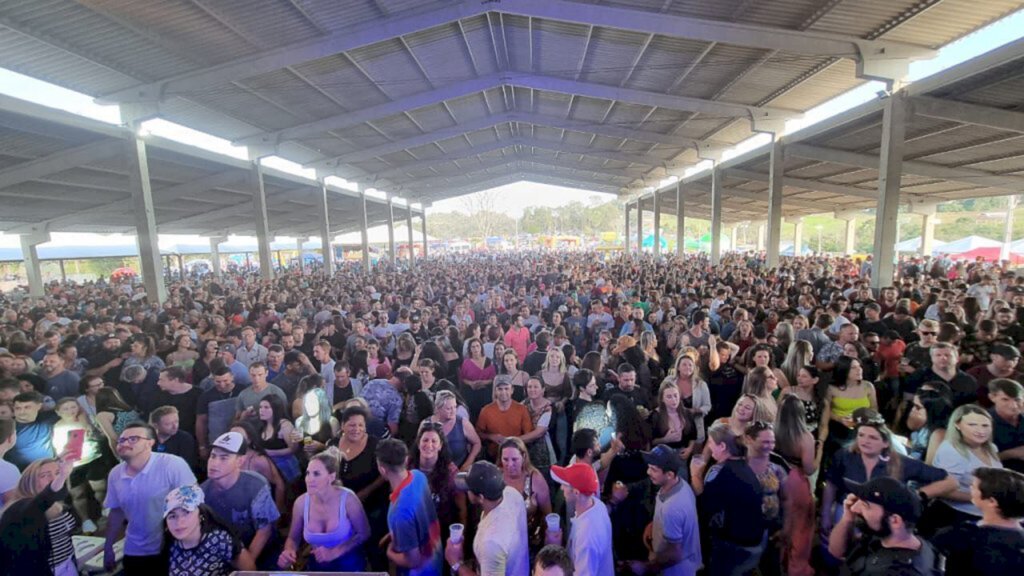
{"x":895,"y":116}
{"x":150,"y":261}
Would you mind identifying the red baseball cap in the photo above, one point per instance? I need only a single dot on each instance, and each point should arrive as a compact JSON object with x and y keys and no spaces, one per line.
{"x":579,"y":476}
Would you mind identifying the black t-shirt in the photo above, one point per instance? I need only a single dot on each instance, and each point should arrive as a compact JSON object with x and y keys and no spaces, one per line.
{"x":730,"y":506}
{"x":869,"y":557}
{"x":186,"y":404}
{"x":973,"y":549}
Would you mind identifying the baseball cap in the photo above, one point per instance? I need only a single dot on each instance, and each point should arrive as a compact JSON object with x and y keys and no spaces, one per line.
{"x":580,"y":476}
{"x":186,"y":497}
{"x":664,"y":457}
{"x":889,"y":493}
{"x":229,"y":348}
{"x":483,"y":478}
{"x":1005,"y":350}
{"x":232,"y":442}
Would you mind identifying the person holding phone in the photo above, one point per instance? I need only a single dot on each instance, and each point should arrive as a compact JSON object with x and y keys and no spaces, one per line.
{"x":36,"y":525}
{"x":81,"y":441}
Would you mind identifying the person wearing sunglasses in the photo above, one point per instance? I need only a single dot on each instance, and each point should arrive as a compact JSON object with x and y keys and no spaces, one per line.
{"x":136,"y":489}
{"x":917,"y":354}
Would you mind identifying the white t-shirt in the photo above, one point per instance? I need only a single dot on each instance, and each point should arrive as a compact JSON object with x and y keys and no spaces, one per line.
{"x":500,"y":546}
{"x":9,"y":476}
{"x":590,"y":541}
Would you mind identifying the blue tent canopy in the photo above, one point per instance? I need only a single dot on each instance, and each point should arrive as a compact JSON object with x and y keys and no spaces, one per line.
{"x":648,"y":241}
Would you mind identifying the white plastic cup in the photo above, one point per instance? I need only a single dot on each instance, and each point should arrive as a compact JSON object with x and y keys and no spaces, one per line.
{"x":455,"y":533}
{"x":554,"y":522}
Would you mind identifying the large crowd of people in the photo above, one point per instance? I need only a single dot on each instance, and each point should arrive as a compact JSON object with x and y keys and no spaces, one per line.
{"x":547,"y":413}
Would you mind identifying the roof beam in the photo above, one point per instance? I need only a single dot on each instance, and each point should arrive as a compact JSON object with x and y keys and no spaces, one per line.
{"x":643,"y":159}
{"x":60,"y":162}
{"x":449,"y":157}
{"x":578,"y":167}
{"x":356,"y":117}
{"x":609,"y":130}
{"x":734,"y":33}
{"x":517,"y":164}
{"x":485,"y":122}
{"x":645,"y":98}
{"x":926,"y":169}
{"x":807,"y":184}
{"x":967,"y":113}
{"x":411,"y":142}
{"x":413,"y":183}
{"x":342,"y":40}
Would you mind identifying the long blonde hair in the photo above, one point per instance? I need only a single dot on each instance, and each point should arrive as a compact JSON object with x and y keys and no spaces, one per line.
{"x":26,"y":487}
{"x":956,"y":439}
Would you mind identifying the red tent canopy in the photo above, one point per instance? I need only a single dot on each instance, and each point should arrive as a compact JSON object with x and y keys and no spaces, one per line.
{"x":990,"y":254}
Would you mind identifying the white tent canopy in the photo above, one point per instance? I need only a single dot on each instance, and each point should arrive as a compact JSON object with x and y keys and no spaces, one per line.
{"x":968,"y":243}
{"x":914,"y":245}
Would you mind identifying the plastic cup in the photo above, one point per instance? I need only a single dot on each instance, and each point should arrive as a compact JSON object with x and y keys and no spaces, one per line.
{"x":554,"y":522}
{"x":455,"y":533}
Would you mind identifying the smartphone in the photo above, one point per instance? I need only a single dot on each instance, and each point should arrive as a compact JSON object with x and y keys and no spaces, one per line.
{"x":76,"y":439}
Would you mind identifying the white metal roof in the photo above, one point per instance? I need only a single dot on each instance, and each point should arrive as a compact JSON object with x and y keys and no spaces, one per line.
{"x":965,"y":139}
{"x":430,"y":99}
{"x":68,"y":173}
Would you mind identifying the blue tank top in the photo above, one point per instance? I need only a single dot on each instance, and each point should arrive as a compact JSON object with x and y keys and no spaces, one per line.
{"x":458,"y":446}
{"x":341,"y":533}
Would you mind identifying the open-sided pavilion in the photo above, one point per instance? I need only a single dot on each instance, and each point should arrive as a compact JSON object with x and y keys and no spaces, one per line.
{"x":429,"y":99}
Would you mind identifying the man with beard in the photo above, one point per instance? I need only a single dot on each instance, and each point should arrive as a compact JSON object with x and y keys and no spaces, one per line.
{"x":106,"y":362}
{"x":885,"y":511}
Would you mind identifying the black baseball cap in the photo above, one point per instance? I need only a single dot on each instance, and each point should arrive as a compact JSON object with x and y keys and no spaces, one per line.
{"x":483,"y":478}
{"x":1005,"y":350}
{"x":890,"y":494}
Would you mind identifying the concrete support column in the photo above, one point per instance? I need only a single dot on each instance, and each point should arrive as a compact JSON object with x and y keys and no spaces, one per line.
{"x":890,"y":170}
{"x":145,"y":218}
{"x":1011,"y":205}
{"x":215,"y":242}
{"x":259,"y":204}
{"x":762,"y":230}
{"x":776,"y":169}
{"x":850,"y":244}
{"x":657,"y":224}
{"x":626,"y":229}
{"x":716,"y":215}
{"x":798,"y":236}
{"x":412,"y":240}
{"x":734,"y":240}
{"x":640,"y":225}
{"x":298,"y":248}
{"x":363,"y":231}
{"x":325,"y":233}
{"x":680,"y":220}
{"x":423,"y":225}
{"x":927,"y":234}
{"x":391,"y":231}
{"x":31,"y":256}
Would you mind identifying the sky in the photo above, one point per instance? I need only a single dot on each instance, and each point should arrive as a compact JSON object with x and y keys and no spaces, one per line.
{"x":513,"y":198}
